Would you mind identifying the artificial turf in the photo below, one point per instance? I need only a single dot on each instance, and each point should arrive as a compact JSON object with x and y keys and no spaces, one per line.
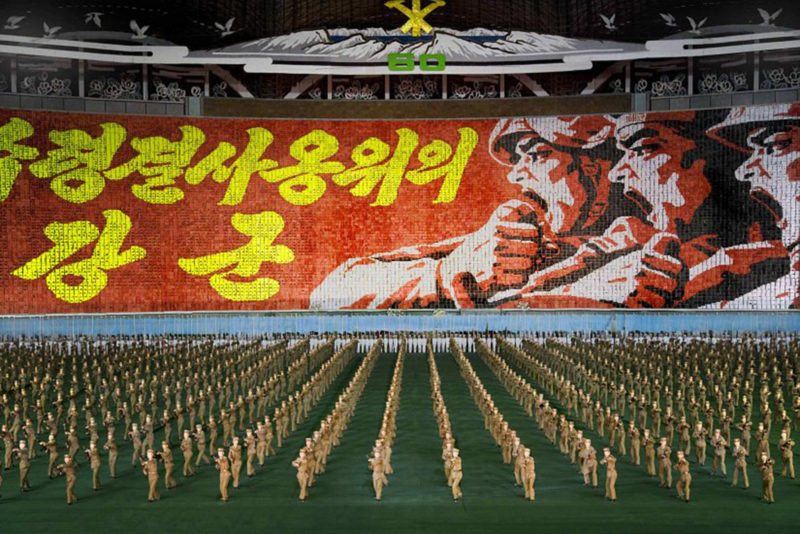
{"x":417,"y":498}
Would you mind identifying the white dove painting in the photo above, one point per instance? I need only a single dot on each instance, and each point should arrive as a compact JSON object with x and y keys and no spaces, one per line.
{"x":225,"y":29}
{"x":669,"y":19}
{"x":608,"y":22}
{"x":696,"y":25}
{"x":49,"y":31}
{"x":94,"y":17}
{"x":12,"y":22}
{"x":139,"y":32}
{"x":769,"y":19}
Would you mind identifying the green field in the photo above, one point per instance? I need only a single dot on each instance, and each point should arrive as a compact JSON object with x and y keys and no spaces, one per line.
{"x":417,"y":498}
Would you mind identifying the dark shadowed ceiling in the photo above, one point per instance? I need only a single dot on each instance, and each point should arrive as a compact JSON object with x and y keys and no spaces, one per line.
{"x":208,"y":24}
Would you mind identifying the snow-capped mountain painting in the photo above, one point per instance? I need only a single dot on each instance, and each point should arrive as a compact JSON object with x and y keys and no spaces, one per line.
{"x":374,"y":45}
{"x":478,"y":51}
{"x":366,"y":51}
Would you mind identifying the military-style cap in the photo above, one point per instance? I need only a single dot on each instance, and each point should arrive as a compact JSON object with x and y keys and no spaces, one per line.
{"x":569,"y":132}
{"x":632,"y":119}
{"x":732,"y":131}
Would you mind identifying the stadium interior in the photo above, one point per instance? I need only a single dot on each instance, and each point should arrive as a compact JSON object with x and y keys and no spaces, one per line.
{"x":401,"y":266}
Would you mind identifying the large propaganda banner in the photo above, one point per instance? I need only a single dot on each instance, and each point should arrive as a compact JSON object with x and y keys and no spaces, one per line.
{"x":686,"y":209}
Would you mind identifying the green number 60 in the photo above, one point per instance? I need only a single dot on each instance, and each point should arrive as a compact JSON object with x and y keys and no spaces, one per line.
{"x":407,"y":62}
{"x":401,"y":62}
{"x":430,"y":62}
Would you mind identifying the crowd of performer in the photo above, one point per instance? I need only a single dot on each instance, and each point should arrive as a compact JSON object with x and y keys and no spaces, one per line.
{"x":313,"y":456}
{"x":511,"y":446}
{"x":450,"y":454}
{"x":224,"y":403}
{"x":700,"y":386}
{"x":192,"y":384}
{"x":380,"y":461}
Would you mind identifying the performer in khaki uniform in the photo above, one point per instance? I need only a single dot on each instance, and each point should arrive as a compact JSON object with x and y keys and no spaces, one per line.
{"x":575,"y":446}
{"x":73,"y":443}
{"x":200,"y":437}
{"x":52,"y":450}
{"x":387,"y":455}
{"x":744,"y":427}
{"x":767,"y":478}
{"x":378,"y":475}
{"x":23,"y":456}
{"x":187,"y":448}
{"x":224,"y":468}
{"x":620,"y":433}
{"x":212,"y":434}
{"x":699,"y":436}
{"x":136,"y":438}
{"x":166,"y":421}
{"x":649,"y":453}
{"x":725,"y":421}
{"x":169,"y":465}
{"x":270,"y":435}
{"x":762,"y":442}
{"x":669,"y":425}
{"x":311,"y":458}
{"x":611,"y":474}
{"x":718,"y":443}
{"x":590,"y":464}
{"x":235,"y":456}
{"x":664,"y":464}
{"x":250,"y":443}
{"x":261,"y":443}
{"x":149,"y":433}
{"x":94,"y":464}
{"x":150,"y":470}
{"x":8,"y":446}
{"x":785,"y":444}
{"x":529,"y":475}
{"x":454,"y":480}
{"x":447,"y":457}
{"x":68,"y":470}
{"x":684,"y":485}
{"x":740,"y":465}
{"x":685,"y":441}
{"x":580,"y":449}
{"x":113,"y":453}
{"x":519,"y":461}
{"x":636,"y":443}
{"x":302,"y":473}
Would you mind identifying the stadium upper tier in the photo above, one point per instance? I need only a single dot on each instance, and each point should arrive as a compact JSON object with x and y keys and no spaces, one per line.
{"x":360,"y":50}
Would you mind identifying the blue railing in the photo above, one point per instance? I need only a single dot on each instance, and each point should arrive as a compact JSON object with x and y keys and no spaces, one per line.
{"x":256,"y":323}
